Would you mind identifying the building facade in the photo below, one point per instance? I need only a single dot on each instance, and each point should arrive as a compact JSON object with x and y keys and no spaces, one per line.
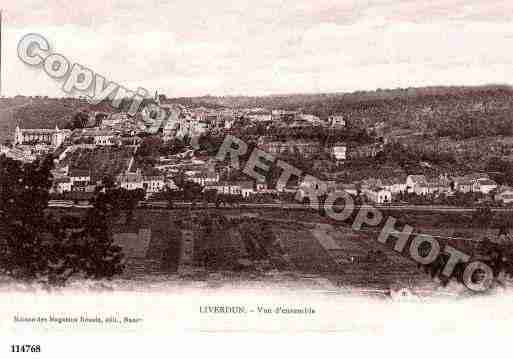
{"x":51,"y":137}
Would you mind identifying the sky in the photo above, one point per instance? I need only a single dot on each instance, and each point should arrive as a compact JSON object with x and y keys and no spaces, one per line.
{"x":247,"y":47}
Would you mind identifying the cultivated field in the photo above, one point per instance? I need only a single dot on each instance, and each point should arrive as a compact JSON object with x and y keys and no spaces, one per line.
{"x":101,"y":161}
{"x":342,"y":257}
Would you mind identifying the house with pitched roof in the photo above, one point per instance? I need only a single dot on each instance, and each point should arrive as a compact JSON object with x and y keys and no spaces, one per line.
{"x":394,"y":185}
{"x":130,"y":180}
{"x":413,"y":181}
{"x":433,"y":186}
{"x":350,"y":188}
{"x":246,"y":188}
{"x":205,"y":178}
{"x":484,"y":186}
{"x":338,"y":151}
{"x":80,"y":179}
{"x":153,"y":183}
{"x":225,"y":187}
{"x":61,"y":185}
{"x":462,"y":184}
{"x":504,"y":195}
{"x":377,"y":195}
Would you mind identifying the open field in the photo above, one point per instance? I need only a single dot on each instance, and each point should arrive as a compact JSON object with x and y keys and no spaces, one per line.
{"x":101,"y":161}
{"x":301,"y":248}
{"x":305,"y":249}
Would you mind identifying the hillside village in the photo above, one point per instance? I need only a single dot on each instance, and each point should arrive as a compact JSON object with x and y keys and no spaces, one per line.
{"x":370,"y":151}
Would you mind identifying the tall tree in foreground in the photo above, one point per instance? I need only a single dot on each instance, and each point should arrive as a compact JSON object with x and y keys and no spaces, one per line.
{"x":37,"y":247}
{"x":101,"y":257}
{"x":24,"y":230}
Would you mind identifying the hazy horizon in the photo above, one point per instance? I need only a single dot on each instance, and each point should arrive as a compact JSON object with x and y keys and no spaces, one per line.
{"x":195,"y":48}
{"x":335,"y":93}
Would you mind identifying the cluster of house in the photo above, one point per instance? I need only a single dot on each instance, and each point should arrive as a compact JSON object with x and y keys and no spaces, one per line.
{"x":203,"y":172}
{"x":338,"y":151}
{"x":97,"y":136}
{"x":65,"y":180}
{"x":149,"y":183}
{"x":177,"y":121}
{"x":173,"y":120}
{"x":305,"y":148}
{"x":476,"y":182}
{"x":206,"y":176}
{"x":29,"y":144}
{"x":291,"y":119}
{"x":382,"y":191}
{"x":19,"y":154}
{"x":77,"y":180}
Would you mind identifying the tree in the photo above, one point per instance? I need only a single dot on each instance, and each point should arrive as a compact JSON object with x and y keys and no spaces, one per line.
{"x":38,"y":247}
{"x":24,"y":195}
{"x":172,"y":147}
{"x":149,"y":149}
{"x":210,"y":195}
{"x":99,"y":118}
{"x":171,"y":195}
{"x":100,"y":257}
{"x":482,"y":217}
{"x":80,"y":120}
{"x":192,"y":191}
{"x":127,"y":200}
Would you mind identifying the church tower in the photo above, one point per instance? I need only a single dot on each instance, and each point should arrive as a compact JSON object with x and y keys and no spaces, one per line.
{"x":58,"y":137}
{"x":18,"y":137}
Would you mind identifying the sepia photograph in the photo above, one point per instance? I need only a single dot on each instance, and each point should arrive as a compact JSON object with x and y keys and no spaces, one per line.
{"x":261,"y":168}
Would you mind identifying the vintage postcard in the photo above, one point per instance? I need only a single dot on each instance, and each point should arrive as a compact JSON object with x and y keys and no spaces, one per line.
{"x":254,"y":167}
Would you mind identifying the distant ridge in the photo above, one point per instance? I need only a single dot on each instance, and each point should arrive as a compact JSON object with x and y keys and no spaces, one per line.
{"x":349,"y":97}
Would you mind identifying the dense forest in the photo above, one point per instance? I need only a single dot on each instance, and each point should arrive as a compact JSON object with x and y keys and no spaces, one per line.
{"x":457,"y":112}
